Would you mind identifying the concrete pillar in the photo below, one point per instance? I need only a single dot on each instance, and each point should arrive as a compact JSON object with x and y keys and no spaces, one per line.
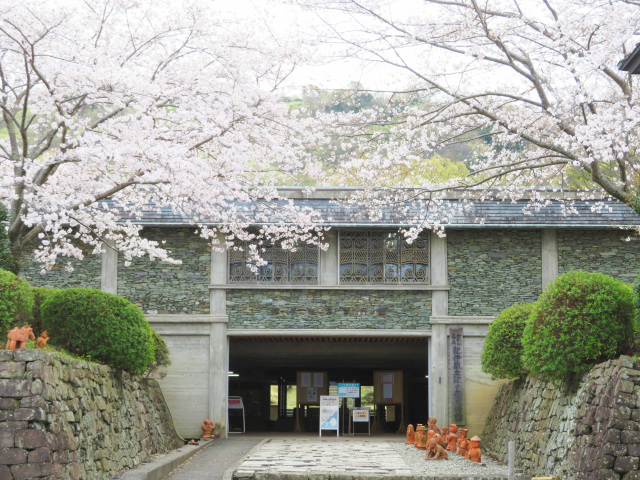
{"x":109,"y":272}
{"x":329,"y":262}
{"x":218,"y":345}
{"x":549,"y":256}
{"x":439,"y":372}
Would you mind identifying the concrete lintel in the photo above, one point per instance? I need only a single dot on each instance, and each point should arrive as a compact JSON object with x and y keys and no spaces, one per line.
{"x":183,"y":329}
{"x":186,"y":318}
{"x":255,"y":286}
{"x":460,"y":320}
{"x":307,"y":332}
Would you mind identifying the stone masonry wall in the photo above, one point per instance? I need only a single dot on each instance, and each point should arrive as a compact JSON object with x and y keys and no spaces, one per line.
{"x":490,"y":270}
{"x":160,"y":287}
{"x":589,"y":430}
{"x":605,"y":251}
{"x":328,"y":309}
{"x":85,"y":274}
{"x":67,"y":419}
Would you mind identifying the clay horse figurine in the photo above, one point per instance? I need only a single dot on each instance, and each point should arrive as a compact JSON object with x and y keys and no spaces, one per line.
{"x":42,"y":340}
{"x":18,"y":337}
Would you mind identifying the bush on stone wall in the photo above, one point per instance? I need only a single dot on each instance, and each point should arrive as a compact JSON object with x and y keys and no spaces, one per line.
{"x":40,"y":295}
{"x":579,"y":320}
{"x":502,"y":351}
{"x":636,"y":301}
{"x":104,"y":327}
{"x":161,"y":353}
{"x":16,"y":302}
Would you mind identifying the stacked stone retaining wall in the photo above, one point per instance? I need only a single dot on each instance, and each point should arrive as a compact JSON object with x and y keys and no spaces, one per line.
{"x":62,"y":418}
{"x":586,"y":430}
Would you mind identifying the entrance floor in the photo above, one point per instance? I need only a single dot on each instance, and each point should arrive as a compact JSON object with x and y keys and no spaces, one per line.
{"x":332,"y":458}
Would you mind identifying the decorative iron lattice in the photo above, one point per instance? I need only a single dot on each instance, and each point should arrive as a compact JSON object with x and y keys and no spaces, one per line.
{"x":283,"y":266}
{"x":383,"y":258}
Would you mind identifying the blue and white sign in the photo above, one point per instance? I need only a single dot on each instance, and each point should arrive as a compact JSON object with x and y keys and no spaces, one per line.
{"x":329,"y":414}
{"x":349,"y":390}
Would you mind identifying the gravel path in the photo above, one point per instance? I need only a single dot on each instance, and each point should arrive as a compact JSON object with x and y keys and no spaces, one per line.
{"x":455,"y":465}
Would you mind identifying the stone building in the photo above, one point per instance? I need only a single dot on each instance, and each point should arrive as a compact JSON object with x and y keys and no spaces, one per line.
{"x":370,"y":302}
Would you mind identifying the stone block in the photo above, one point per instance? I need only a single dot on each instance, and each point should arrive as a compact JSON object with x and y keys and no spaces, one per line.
{"x":626,"y":399}
{"x":631,"y":476}
{"x":6,"y":438}
{"x":6,"y":355}
{"x":34,"y":401}
{"x":25,"y":471}
{"x":8,"y":403}
{"x":626,"y":464}
{"x":6,"y":415}
{"x":633,"y":450}
{"x":30,"y":414}
{"x":12,"y":456}
{"x":5,"y":471}
{"x":40,"y":455}
{"x":37,"y":387}
{"x":14,"y":388}
{"x":12,"y":369}
{"x":611,"y":436}
{"x":603,"y":474}
{"x":625,"y":386}
{"x":31,"y":439}
{"x":629,"y":436}
{"x":28,"y":355}
{"x":13,"y":426}
{"x":37,"y":368}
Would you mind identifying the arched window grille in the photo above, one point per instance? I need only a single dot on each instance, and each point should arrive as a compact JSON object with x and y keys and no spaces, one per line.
{"x":379,"y":257}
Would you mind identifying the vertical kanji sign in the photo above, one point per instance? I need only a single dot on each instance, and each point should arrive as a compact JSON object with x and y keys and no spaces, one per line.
{"x":456,"y":382}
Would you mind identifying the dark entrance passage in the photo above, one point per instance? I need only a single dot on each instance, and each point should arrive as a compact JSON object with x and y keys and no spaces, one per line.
{"x":264,"y":373}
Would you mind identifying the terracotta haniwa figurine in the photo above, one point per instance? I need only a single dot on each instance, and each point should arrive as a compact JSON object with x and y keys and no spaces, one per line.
{"x":18,"y":337}
{"x":207,"y":427}
{"x":411,"y":435}
{"x":430,"y":434}
{"x":439,"y":439}
{"x":452,"y":438}
{"x":422,"y":438}
{"x":444,"y":431}
{"x":42,"y":340}
{"x":463,"y":442}
{"x":415,"y":444}
{"x":435,"y":451}
{"x":432,"y":424}
{"x":474,"y":450}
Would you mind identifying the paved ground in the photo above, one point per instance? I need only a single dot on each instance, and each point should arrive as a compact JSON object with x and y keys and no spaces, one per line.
{"x":212,"y":461}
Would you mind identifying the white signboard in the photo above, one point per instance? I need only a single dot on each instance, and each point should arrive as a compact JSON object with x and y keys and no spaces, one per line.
{"x":387,"y":390}
{"x":305,"y":379}
{"x":329,"y":414}
{"x":349,"y":390}
{"x":318,"y":379}
{"x":361,"y":414}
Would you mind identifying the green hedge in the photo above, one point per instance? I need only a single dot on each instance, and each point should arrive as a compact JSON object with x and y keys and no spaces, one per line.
{"x":40,"y":295}
{"x":579,"y":320}
{"x":502,"y":351}
{"x":161,"y":355}
{"x":105,"y":327}
{"x":16,"y":302}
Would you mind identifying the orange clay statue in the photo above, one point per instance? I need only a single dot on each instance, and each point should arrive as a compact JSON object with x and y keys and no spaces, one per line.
{"x":411,"y":435}
{"x":422,"y":438}
{"x":207,"y":427}
{"x":474,"y":450}
{"x":431,"y":421}
{"x":463,"y":442}
{"x":18,"y":337}
{"x":435,"y":451}
{"x":415,"y":443}
{"x":42,"y":340}
{"x":439,"y":440}
{"x":444,"y":431}
{"x":452,"y":438}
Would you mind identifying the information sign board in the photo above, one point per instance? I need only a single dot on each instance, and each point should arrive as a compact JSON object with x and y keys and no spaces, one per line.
{"x":329,"y":414}
{"x":361,"y":414}
{"x":349,"y":390}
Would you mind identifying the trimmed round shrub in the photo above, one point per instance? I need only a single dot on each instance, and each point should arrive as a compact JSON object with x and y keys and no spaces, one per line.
{"x":161,"y":353}
{"x":502,"y":351}
{"x":40,"y":295}
{"x":581,"y":319}
{"x":16,"y":302}
{"x":105,"y":327}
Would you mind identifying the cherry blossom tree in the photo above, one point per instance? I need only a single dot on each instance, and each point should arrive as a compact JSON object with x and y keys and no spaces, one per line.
{"x":110,"y":106}
{"x":535,"y":80}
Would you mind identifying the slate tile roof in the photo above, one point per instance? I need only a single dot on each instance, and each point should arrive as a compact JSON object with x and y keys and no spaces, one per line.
{"x":491,"y":213}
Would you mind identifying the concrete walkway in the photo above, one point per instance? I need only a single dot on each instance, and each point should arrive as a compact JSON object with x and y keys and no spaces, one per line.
{"x":211,"y":462}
